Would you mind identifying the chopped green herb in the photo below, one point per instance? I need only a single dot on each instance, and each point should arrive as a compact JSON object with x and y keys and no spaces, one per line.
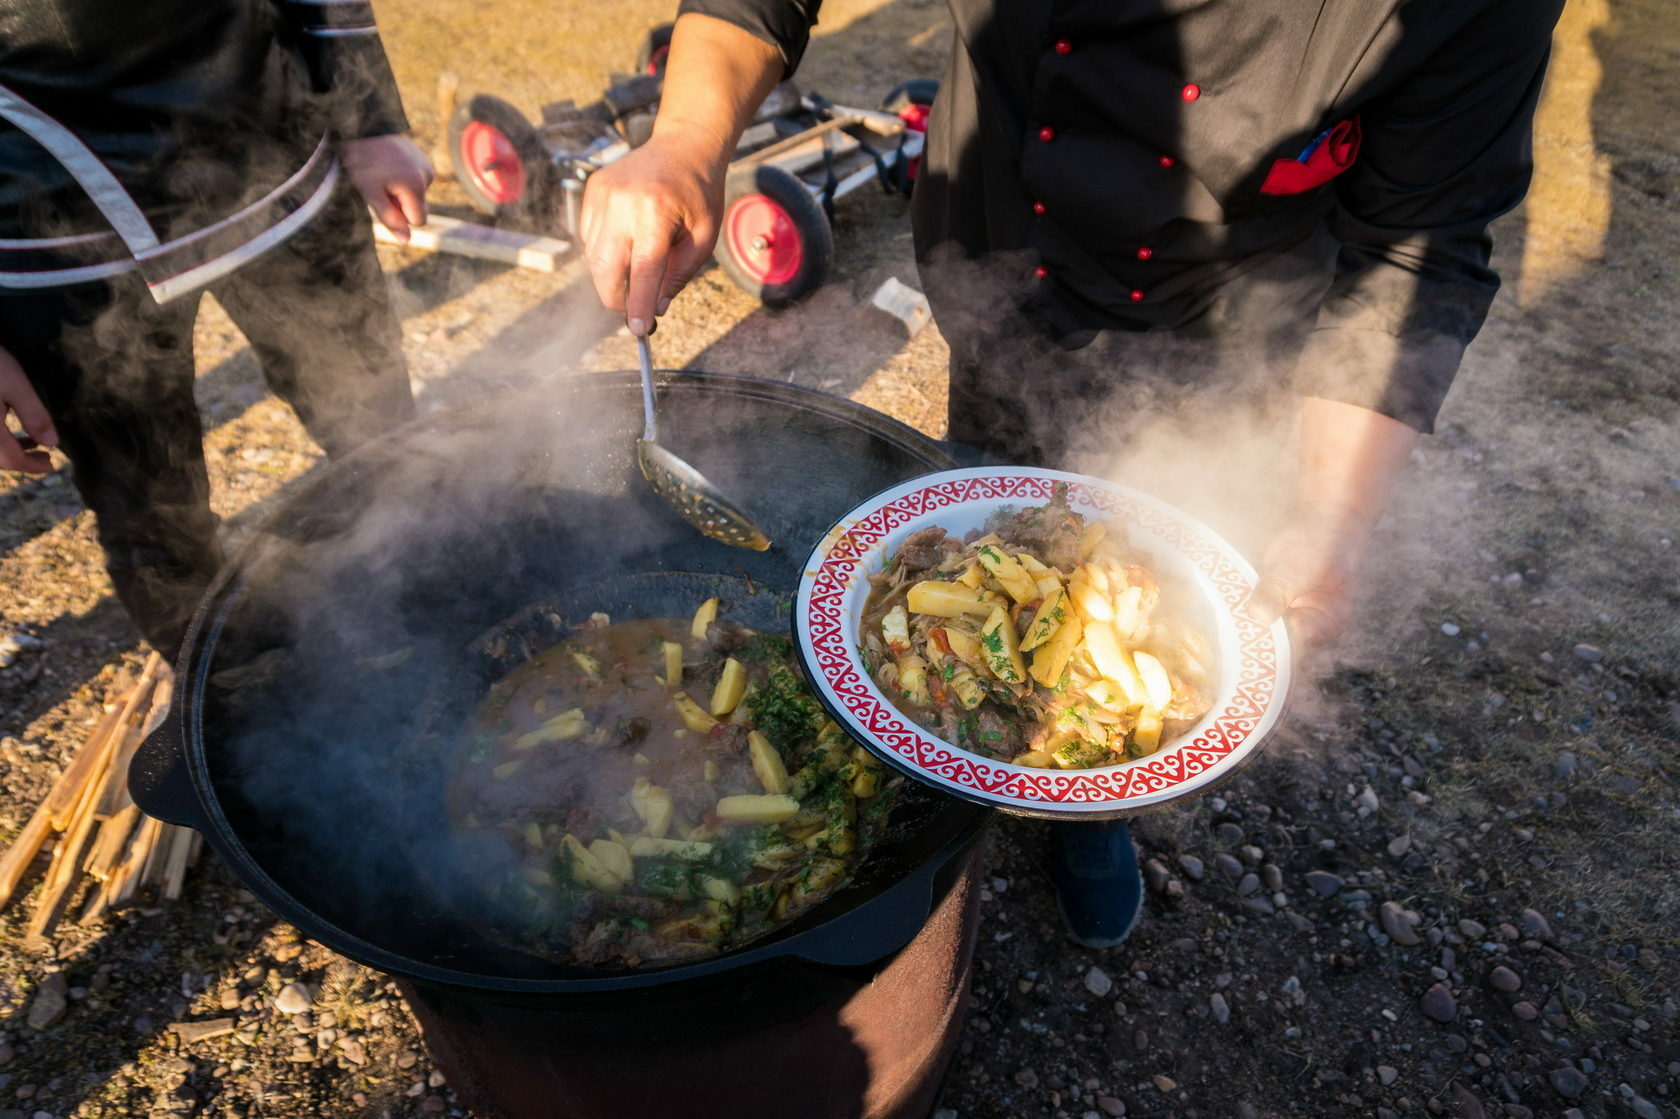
{"x":992,"y":639}
{"x":950,"y":670}
{"x":991,"y":735}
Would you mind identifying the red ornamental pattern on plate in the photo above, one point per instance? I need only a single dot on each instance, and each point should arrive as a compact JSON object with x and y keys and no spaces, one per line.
{"x":1230,"y":728}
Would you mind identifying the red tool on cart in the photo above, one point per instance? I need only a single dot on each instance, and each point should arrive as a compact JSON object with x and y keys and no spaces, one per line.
{"x":799,"y":155}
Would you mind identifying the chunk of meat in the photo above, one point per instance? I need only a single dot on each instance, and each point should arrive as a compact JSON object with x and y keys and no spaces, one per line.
{"x":727,"y":637}
{"x":998,"y":735}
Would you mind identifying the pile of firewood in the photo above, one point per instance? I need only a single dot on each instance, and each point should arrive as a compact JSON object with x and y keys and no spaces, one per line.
{"x":101,"y":832}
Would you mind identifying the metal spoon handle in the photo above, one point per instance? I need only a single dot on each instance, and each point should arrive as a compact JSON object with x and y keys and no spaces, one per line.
{"x":649,"y":431}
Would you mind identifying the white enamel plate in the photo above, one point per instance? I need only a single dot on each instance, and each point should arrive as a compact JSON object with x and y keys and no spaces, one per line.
{"x":1252,"y":677}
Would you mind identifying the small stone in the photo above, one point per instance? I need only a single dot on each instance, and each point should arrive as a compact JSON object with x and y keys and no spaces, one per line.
{"x":1164,"y":1083}
{"x":1221,"y":1008}
{"x":1450,"y":630}
{"x":1272,"y":875}
{"x":1098,"y":983}
{"x":1229,"y":833}
{"x":1324,"y":884}
{"x":190,"y":1032}
{"x":1438,"y":1003}
{"x":1387,"y":1074}
{"x":51,"y":1000}
{"x":1399,"y":845}
{"x":1027,"y":1078}
{"x":1155,"y":875}
{"x":293,"y":999}
{"x":1366,"y":803}
{"x":1228,"y":865}
{"x":1644,"y":1108}
{"x":432,"y":1104}
{"x":1466,"y":1104}
{"x":1592,"y":654}
{"x":230,"y":999}
{"x":1504,"y":979}
{"x":6,"y":1054}
{"x":1393,"y":921}
{"x":1524,"y":1011}
{"x":1249,"y":884}
{"x":1568,"y":1082}
{"x":1563,"y":768}
{"x":1111,"y":1106}
{"x":407,"y":1059}
{"x":1193,"y":870}
{"x":1534,"y":923}
{"x":1472,"y":930}
{"x":354,"y":1051}
{"x":1250,"y":854}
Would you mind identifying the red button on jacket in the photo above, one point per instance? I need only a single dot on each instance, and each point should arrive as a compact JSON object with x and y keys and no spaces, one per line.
{"x":1145,"y":252}
{"x":1041,"y":271}
{"x":1328,"y":156}
{"x":1064,"y":46}
{"x":1167,"y":162}
{"x":1047,"y":134}
{"x":1191,"y":92}
{"x":1038,"y":207}
{"x":1137,"y":296}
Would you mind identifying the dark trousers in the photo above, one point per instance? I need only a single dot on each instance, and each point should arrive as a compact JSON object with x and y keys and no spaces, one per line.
{"x":115,"y":370}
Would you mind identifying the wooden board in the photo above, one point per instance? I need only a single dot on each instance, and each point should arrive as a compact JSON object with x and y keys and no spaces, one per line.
{"x":443,"y":234}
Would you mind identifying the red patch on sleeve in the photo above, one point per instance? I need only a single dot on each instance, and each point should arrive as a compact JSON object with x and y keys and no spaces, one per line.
{"x":1330,"y":158}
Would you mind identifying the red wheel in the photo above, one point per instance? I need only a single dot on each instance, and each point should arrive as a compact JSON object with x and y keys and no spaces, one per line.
{"x":762,"y":237}
{"x":775,"y":242}
{"x":655,"y":49}
{"x":500,"y":161}
{"x":491,"y":161}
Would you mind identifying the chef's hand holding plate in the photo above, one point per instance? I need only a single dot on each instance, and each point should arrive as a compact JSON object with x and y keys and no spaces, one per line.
{"x":17,"y":398}
{"x":1351,"y":458}
{"x":650,"y":219}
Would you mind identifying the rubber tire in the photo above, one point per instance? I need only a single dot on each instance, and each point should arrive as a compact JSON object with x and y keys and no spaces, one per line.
{"x":659,"y":37}
{"x":916,"y":91}
{"x":809,"y":222}
{"x":535,"y":206}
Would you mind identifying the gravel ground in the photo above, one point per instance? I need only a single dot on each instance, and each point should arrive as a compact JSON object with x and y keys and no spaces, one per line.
{"x":1450,"y":887}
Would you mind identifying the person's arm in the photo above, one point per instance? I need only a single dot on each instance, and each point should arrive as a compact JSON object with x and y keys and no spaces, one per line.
{"x":650,"y":219}
{"x":17,"y":397}
{"x":1443,"y":155}
{"x":1351,"y":458}
{"x":347,"y":63}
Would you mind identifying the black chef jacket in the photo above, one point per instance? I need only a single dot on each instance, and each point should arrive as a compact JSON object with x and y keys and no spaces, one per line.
{"x":205,"y":120}
{"x":1123,"y":156}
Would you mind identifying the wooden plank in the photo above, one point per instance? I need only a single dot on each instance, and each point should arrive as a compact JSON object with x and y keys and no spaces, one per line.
{"x":443,"y":234}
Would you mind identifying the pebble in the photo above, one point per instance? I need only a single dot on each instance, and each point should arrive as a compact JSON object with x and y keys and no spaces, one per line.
{"x":293,"y":999}
{"x":1228,"y":865}
{"x":1466,"y":1104}
{"x":1272,"y":876}
{"x":1450,"y":630}
{"x":1164,"y":1083}
{"x":1250,"y":884}
{"x":1027,"y":1078}
{"x":433,"y":1104}
{"x":6,"y":1054}
{"x":1568,"y":1082}
{"x":1472,"y":930}
{"x":1192,"y":868}
{"x":1366,"y":803}
{"x":1524,"y":1011}
{"x":1399,"y":929}
{"x":1535,"y":924}
{"x":1439,"y":1004}
{"x":1229,"y":833}
{"x":190,"y":1032}
{"x":1504,"y":979}
{"x":1399,"y":845}
{"x":1644,"y":1108}
{"x":1155,"y":875}
{"x":1111,"y":1106}
{"x":1592,"y":654}
{"x":1387,"y":1074}
{"x":1098,"y":982}
{"x":1221,"y":1008}
{"x":1324,"y":884}
{"x":50,"y":1002}
{"x":1564,"y":767}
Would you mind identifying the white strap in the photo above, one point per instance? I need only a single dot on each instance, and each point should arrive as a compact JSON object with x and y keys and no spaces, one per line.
{"x":86,"y":168}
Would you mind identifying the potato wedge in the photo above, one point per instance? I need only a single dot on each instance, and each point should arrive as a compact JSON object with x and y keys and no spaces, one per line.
{"x":1002,"y":646}
{"x":767,"y":809}
{"x":693,"y":716}
{"x":1051,"y":658}
{"x":615,"y":857}
{"x":1093,"y":535}
{"x":1128,"y":612}
{"x":767,"y":764}
{"x":1146,"y":736}
{"x":912,"y":680}
{"x":561,"y":728}
{"x":703,"y":617}
{"x":949,"y":600}
{"x":1009,"y":573}
{"x":731,"y":686}
{"x":653,"y":806}
{"x":973,"y":576}
{"x":1046,"y":578}
{"x":1093,"y":605}
{"x":1051,"y":614}
{"x":1156,"y":683}
{"x":673,"y":664}
{"x":587,"y":867}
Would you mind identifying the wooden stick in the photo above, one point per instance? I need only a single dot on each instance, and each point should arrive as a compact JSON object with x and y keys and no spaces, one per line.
{"x":22,"y":853}
{"x":113,"y":835}
{"x":180,"y":854}
{"x":151,"y":872}
{"x":64,"y":796}
{"x":140,"y":852}
{"x":443,"y":160}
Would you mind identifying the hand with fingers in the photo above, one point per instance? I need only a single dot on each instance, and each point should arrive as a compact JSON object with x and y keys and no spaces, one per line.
{"x":17,"y":398}
{"x":392,"y":174}
{"x":649,"y":220}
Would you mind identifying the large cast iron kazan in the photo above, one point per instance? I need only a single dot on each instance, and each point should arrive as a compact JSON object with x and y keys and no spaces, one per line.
{"x":297,"y":741}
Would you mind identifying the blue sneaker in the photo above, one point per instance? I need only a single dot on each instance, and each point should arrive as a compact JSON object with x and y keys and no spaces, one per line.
{"x":1099,"y":888}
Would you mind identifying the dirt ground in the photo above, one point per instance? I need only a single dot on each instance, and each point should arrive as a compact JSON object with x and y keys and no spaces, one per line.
{"x":1450,"y":888}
